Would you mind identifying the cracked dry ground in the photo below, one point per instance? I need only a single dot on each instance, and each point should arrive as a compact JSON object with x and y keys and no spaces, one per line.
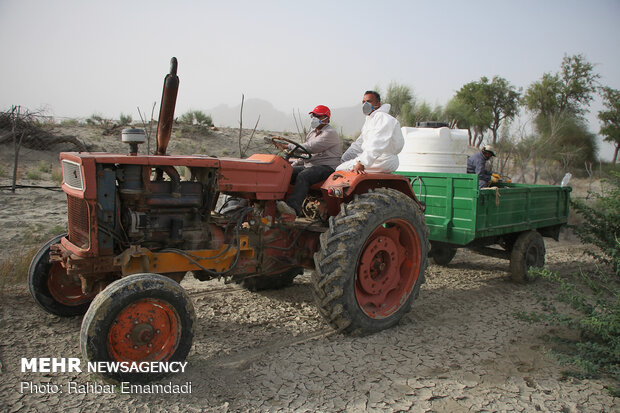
{"x":459,"y":349}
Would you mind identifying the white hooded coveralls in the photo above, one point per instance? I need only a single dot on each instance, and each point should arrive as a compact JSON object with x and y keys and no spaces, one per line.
{"x":378,"y":145}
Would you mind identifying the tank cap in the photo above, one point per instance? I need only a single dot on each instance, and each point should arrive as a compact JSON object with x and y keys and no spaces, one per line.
{"x":133,"y":135}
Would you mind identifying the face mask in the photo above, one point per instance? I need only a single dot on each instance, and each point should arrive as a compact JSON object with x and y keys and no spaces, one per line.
{"x":367,"y":108}
{"x":315,"y":122}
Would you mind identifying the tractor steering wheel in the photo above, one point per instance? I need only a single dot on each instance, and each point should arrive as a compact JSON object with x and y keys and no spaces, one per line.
{"x":305,"y":155}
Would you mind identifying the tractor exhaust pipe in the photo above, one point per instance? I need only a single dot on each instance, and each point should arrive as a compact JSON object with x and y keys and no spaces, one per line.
{"x":166,"y":109}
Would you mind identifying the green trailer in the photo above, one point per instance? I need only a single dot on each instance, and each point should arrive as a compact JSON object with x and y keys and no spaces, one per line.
{"x":508,"y":221}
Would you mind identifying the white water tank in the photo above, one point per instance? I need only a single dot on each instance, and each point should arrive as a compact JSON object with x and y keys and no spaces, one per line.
{"x":434,"y":150}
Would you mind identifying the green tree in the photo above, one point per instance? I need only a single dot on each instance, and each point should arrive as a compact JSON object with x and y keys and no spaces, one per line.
{"x":486,"y":105}
{"x":503,"y":100}
{"x":559,"y":102}
{"x":610,"y":118}
{"x":569,"y":91}
{"x":398,"y":96}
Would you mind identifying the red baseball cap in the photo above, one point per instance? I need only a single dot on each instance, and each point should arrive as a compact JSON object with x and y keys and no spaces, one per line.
{"x":322,"y":110}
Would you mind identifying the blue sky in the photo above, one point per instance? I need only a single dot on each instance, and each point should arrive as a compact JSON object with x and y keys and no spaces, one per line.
{"x":76,"y":58}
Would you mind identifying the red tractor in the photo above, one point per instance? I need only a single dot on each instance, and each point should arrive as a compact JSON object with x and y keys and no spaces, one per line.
{"x":136,"y":227}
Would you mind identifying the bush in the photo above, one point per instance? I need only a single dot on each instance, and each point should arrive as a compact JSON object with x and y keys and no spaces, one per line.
{"x":70,"y":122}
{"x":195,"y":117}
{"x":125,"y":120}
{"x":601,"y":223}
{"x":33,"y":174}
{"x":15,"y":269}
{"x":57,"y":176}
{"x":44,"y":166}
{"x":593,"y":296}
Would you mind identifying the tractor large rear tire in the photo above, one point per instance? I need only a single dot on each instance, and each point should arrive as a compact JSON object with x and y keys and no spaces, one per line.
{"x":528,"y":251}
{"x":371,"y":263}
{"x":52,"y":289}
{"x":139,"y":318}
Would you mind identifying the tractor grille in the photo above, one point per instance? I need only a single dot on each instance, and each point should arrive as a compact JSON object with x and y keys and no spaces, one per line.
{"x":78,"y":222}
{"x":72,"y":174}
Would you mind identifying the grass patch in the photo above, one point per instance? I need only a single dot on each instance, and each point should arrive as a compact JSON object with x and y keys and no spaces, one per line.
{"x":44,"y":167}
{"x":33,"y":174}
{"x":14,"y":270}
{"x":38,"y":233}
{"x":70,"y":122}
{"x":57,"y":176}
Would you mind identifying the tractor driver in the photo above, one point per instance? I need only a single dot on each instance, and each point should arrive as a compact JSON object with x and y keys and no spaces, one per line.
{"x":476,"y":164}
{"x":324,"y":144}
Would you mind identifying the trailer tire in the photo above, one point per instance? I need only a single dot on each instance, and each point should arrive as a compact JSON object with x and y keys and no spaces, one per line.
{"x":442,"y":254}
{"x":52,"y":289}
{"x":528,"y":251}
{"x":371,"y":263}
{"x":139,"y":318}
{"x":271,"y":282}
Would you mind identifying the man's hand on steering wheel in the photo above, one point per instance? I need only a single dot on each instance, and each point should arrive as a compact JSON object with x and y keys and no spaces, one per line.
{"x":282,"y":144}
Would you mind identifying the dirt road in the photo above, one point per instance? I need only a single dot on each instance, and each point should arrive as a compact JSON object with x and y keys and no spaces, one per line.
{"x":460,"y":349}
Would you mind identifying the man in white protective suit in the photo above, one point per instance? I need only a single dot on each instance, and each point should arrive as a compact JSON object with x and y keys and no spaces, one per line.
{"x":381,"y":140}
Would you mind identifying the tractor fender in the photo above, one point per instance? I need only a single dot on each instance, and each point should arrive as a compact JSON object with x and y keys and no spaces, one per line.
{"x":341,"y":186}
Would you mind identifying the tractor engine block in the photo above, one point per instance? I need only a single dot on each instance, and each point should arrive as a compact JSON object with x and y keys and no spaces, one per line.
{"x":159,"y":213}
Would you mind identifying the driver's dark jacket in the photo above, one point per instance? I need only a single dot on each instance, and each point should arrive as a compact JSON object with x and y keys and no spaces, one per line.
{"x":325,"y":147}
{"x":476,"y":164}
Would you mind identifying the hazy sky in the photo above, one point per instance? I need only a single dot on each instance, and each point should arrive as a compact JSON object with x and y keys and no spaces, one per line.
{"x":76,"y":58}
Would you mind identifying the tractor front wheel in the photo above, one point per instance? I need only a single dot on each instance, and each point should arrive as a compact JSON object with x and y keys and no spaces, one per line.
{"x":140,"y":318}
{"x":371,"y":263}
{"x":51,"y":287}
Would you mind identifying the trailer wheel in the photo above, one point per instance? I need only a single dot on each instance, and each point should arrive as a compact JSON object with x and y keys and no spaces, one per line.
{"x":139,"y":318}
{"x":528,"y":251}
{"x":371,"y":263}
{"x":442,"y":254}
{"x":52,"y":289}
{"x":271,"y":282}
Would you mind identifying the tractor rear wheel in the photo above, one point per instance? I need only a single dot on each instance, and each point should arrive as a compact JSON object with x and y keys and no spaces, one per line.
{"x":528,"y":251}
{"x":139,"y":318}
{"x":371,"y":263}
{"x":51,"y":287}
{"x":271,"y":282}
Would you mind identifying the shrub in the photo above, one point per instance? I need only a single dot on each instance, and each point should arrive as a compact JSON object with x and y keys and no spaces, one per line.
{"x":202,"y":118}
{"x":125,"y":120}
{"x":195,"y":117}
{"x":70,"y":122}
{"x":57,"y":176}
{"x":33,"y":174}
{"x":15,"y":269}
{"x":44,"y":166}
{"x":601,"y":223}
{"x":593,"y":296}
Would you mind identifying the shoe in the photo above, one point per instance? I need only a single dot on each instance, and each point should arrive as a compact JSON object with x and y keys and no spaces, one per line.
{"x":285,"y":208}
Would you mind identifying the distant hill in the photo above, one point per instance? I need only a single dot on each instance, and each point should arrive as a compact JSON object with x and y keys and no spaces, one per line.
{"x":347,"y":121}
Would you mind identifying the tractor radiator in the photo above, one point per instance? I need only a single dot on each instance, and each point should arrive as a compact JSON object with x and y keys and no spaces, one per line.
{"x":78,"y":222}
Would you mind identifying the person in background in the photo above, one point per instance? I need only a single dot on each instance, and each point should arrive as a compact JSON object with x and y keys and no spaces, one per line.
{"x":476,"y":164}
{"x":380,"y":142}
{"x":324,"y":144}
